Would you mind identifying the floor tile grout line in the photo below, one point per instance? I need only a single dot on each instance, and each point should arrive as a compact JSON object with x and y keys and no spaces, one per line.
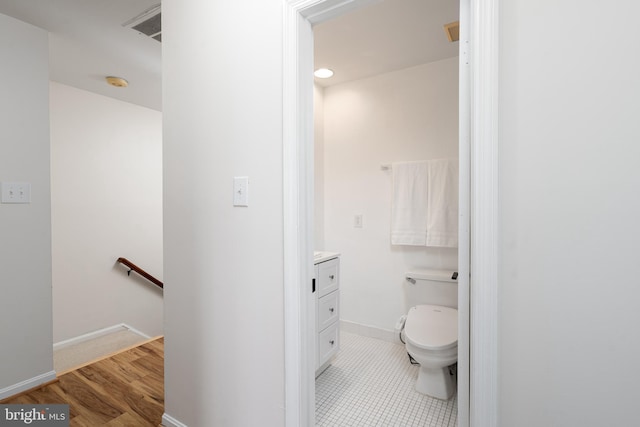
{"x":370,"y":383}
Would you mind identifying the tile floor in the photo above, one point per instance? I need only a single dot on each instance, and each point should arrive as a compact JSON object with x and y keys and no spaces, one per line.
{"x":371,"y":383}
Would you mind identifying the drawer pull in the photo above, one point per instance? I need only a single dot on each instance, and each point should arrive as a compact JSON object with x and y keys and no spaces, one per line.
{"x":332,"y":342}
{"x":332,"y":277}
{"x":331,"y":310}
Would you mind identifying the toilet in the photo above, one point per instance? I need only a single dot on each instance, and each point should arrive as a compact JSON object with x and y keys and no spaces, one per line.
{"x":431,"y":333}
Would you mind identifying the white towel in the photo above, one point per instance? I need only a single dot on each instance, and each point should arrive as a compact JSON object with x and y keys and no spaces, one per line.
{"x":425,"y":203}
{"x":442,"y":205}
{"x":409,"y":203}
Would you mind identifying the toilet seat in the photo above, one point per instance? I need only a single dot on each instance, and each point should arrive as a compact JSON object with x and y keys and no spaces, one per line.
{"x":432,"y":327}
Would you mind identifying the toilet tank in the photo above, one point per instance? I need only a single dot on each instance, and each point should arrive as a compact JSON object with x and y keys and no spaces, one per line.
{"x":425,"y":286}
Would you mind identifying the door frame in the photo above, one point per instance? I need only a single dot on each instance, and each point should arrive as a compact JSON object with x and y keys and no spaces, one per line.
{"x":478,"y":254}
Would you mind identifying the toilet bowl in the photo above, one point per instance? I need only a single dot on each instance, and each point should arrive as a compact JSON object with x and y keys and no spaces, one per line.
{"x":431,"y":334}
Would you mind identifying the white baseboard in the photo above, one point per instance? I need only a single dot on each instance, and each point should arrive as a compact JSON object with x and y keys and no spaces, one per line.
{"x":169,"y":421}
{"x":98,"y":333}
{"x":27,"y":384}
{"x":369,"y":331}
{"x":135,"y":331}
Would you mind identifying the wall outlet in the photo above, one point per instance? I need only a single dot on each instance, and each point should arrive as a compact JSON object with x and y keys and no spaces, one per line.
{"x":357,"y":221}
{"x":16,"y":192}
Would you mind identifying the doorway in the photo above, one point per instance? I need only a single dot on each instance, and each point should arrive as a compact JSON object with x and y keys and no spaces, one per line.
{"x":298,"y":203}
{"x":393,"y":97}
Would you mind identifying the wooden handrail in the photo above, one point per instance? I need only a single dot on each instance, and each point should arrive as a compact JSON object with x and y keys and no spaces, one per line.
{"x":133,"y":267}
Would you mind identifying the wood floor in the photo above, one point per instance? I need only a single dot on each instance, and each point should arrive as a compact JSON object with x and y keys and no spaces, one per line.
{"x":126,"y":389}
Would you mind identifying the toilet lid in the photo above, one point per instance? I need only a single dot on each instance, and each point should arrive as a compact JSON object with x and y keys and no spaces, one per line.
{"x":432,"y":327}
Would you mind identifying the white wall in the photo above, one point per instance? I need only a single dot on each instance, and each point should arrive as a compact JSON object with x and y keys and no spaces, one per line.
{"x":318,"y":164}
{"x":25,"y":229}
{"x":106,"y":172}
{"x":568,"y":219}
{"x":569,"y":175}
{"x":224,"y":322}
{"x":410,"y":114}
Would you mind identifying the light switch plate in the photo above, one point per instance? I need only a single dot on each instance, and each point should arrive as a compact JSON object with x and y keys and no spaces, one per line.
{"x":16,"y":192}
{"x":241,"y":191}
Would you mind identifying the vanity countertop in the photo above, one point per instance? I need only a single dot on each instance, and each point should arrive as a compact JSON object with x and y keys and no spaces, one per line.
{"x":321,"y":256}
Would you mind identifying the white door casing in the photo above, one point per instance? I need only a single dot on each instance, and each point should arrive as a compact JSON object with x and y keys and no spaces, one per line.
{"x":477,"y":356}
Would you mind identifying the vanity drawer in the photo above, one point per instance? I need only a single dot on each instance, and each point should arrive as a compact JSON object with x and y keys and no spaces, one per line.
{"x":328,"y":310}
{"x":328,"y":342}
{"x":328,"y":276}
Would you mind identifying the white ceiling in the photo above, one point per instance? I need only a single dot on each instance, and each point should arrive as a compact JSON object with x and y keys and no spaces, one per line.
{"x":386,"y":36}
{"x":88,"y":42}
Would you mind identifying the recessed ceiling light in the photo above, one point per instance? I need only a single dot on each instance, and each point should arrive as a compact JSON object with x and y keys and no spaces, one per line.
{"x":117,"y":81}
{"x":323,"y":73}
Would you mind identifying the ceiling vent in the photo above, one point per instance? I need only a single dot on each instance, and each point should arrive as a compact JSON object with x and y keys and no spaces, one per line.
{"x":148,"y":23}
{"x":453,"y":31}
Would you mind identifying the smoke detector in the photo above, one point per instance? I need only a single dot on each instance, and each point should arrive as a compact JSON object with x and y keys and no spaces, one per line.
{"x":148,"y":23}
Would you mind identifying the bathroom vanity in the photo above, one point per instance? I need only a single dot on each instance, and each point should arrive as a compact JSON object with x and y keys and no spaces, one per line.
{"x":327,"y":280}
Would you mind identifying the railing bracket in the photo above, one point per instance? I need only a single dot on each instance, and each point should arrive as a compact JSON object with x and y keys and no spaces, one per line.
{"x":133,"y":267}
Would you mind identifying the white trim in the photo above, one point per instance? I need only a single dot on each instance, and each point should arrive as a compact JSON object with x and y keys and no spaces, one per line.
{"x":27,"y":384}
{"x":98,"y":333}
{"x":317,"y":11}
{"x":299,"y":345}
{"x":169,"y":421}
{"x":464,"y":206}
{"x":298,"y":15}
{"x":136,"y":331}
{"x":484,"y":213}
{"x":370,"y":331}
